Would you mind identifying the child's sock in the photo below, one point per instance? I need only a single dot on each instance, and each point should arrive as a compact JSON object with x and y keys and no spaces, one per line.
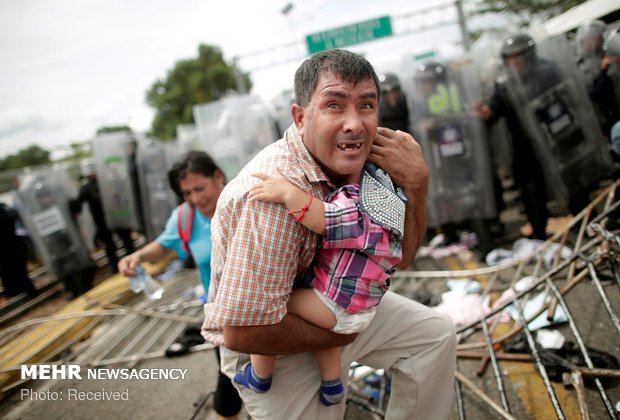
{"x":248,"y":377}
{"x":332,"y":391}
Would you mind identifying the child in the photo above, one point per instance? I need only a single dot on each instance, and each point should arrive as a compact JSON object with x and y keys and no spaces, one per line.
{"x":362,"y":224}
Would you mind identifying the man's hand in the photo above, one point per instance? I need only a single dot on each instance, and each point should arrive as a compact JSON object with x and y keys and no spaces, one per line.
{"x":398,"y":154}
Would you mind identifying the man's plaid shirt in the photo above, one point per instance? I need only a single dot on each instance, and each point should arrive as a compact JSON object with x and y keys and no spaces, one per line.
{"x":258,"y":249}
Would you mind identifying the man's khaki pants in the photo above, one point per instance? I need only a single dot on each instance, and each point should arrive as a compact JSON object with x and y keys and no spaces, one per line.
{"x":414,"y":343}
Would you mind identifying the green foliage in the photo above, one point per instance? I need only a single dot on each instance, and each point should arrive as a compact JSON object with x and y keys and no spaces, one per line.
{"x":30,"y":156}
{"x":112,"y":129}
{"x":79,"y":151}
{"x":474,"y":35}
{"x":526,"y":10}
{"x":190,"y":82}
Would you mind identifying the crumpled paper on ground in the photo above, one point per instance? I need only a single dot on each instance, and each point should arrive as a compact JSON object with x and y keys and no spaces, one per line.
{"x":531,"y":306}
{"x":523,"y":248}
{"x":465,"y":308}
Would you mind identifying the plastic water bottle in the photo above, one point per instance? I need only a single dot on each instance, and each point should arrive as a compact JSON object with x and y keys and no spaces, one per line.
{"x":152,"y":288}
{"x":136,"y":283}
{"x":143,"y":281}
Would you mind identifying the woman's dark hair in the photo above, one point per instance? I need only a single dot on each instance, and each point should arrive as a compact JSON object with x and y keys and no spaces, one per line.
{"x":347,"y":65}
{"x":194,"y":162}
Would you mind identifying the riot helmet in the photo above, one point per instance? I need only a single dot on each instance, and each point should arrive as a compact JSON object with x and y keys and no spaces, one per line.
{"x":518,"y":52}
{"x":429,"y":75}
{"x":87,"y":167}
{"x":612,"y":44}
{"x":518,"y":44}
{"x":389,"y":82}
{"x":431,"y":71}
{"x":42,"y":193}
{"x":40,"y":189}
{"x":589,"y":38}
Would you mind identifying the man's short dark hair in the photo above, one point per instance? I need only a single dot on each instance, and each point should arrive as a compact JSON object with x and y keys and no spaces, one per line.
{"x":346,"y":65}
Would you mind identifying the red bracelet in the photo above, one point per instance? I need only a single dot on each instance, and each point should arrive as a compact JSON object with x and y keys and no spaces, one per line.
{"x":303,"y":210}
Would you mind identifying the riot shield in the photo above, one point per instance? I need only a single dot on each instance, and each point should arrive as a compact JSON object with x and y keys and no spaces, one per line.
{"x":234,"y":129}
{"x":453,"y":140}
{"x":158,"y":200}
{"x":187,"y":137}
{"x":589,"y":67}
{"x":553,"y":107}
{"x":115,"y":156}
{"x":588,"y":43}
{"x":614,"y":73}
{"x":42,"y":203}
{"x":491,"y":68}
{"x":282,"y":104}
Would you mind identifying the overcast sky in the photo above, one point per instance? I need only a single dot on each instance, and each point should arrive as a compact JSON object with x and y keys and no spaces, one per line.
{"x":68,"y":67}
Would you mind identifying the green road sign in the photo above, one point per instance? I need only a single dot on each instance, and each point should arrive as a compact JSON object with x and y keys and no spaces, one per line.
{"x":349,"y":35}
{"x":424,"y":55}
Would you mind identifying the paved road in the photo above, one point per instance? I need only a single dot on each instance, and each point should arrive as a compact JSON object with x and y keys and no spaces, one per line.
{"x":145,"y":398}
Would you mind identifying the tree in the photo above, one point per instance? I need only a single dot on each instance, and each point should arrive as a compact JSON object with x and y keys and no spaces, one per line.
{"x":113,"y":129}
{"x":79,"y":151}
{"x":30,"y":156}
{"x":526,"y":11}
{"x":191,"y":81}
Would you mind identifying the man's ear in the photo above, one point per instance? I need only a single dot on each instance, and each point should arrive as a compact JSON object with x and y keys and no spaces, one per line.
{"x":297,"y":112}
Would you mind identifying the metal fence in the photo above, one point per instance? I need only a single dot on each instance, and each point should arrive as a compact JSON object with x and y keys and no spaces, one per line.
{"x":577,"y":272}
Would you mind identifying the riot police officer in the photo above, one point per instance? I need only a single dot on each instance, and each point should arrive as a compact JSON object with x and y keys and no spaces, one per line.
{"x":42,"y":203}
{"x":589,"y":39}
{"x":90,"y":193}
{"x":393,"y":109}
{"x":605,"y":88}
{"x":13,"y":264}
{"x":454,"y":143}
{"x":533,"y":94}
